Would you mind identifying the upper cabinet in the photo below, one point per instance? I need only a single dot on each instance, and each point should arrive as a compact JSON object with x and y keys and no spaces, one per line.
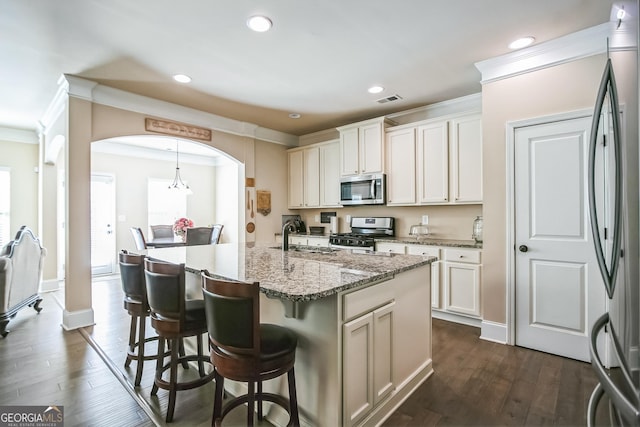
{"x":314,"y":179}
{"x":362,"y":148}
{"x":435,"y":162}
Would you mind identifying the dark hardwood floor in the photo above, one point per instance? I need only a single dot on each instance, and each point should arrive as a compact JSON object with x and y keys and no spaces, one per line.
{"x":475,"y":382}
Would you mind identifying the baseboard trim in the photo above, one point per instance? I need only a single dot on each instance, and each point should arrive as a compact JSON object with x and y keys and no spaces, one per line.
{"x":72,"y":320}
{"x":464,"y":320}
{"x":493,"y":331}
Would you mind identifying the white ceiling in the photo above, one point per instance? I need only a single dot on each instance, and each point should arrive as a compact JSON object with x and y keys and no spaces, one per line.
{"x":318,"y":60}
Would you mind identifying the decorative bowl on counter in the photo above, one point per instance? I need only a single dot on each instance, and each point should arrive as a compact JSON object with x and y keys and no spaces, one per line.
{"x":420,"y":232}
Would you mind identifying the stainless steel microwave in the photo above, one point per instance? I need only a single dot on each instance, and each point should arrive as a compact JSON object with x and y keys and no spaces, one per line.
{"x":363,"y":190}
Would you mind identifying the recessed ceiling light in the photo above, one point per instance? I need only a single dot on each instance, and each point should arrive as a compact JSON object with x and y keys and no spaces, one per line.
{"x":375,"y":89}
{"x":182,"y":78}
{"x":521,"y":42}
{"x":259,"y":23}
{"x":294,"y":115}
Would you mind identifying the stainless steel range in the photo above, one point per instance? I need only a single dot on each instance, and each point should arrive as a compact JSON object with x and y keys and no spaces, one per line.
{"x":364,"y":230}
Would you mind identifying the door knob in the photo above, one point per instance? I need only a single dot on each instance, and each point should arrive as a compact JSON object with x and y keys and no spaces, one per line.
{"x":523,"y":248}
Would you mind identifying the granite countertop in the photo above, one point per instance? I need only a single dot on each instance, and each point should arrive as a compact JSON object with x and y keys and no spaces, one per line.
{"x":433,"y":242}
{"x":309,"y":274}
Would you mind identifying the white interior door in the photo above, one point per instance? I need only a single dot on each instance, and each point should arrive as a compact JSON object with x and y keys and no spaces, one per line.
{"x":103,"y":242}
{"x":559,"y":292}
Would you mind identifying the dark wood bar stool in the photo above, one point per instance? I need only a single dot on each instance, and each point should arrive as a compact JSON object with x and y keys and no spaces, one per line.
{"x":175,"y":318}
{"x":135,"y":302}
{"x":243,"y":349}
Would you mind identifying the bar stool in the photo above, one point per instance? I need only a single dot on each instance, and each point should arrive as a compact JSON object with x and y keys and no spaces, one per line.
{"x":243,"y":349}
{"x":135,"y":302}
{"x":174,"y":318}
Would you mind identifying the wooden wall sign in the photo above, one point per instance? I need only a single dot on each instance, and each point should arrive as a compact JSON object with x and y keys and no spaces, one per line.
{"x":264,"y":202}
{"x":177,"y":129}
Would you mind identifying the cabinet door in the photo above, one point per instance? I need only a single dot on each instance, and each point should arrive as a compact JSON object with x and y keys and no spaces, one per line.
{"x":330,"y":174}
{"x":357,"y":369}
{"x":462,"y":288}
{"x":311,"y":177}
{"x":401,"y":167}
{"x":349,"y":152}
{"x":382,"y":352}
{"x":425,"y":250}
{"x":371,"y":148}
{"x":433,"y":163}
{"x":296,"y":179}
{"x":467,"y":159}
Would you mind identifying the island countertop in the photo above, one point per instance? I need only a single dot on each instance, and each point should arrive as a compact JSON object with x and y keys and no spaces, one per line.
{"x":292,"y":275}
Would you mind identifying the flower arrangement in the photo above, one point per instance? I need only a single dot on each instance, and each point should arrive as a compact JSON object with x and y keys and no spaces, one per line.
{"x":181,"y":225}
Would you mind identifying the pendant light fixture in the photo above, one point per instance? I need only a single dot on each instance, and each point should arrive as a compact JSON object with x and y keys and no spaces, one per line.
{"x":177,"y":183}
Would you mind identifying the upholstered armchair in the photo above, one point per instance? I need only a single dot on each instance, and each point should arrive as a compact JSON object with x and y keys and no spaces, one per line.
{"x":21,"y":263}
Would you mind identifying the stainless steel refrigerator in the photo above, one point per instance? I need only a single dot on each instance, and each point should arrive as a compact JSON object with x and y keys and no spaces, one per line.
{"x":619,"y":382}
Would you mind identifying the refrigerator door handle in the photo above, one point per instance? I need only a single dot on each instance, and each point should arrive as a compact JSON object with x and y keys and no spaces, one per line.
{"x":624,"y":408}
{"x":607,"y":85}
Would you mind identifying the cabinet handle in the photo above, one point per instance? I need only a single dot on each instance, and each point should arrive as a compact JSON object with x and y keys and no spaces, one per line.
{"x":461,"y":256}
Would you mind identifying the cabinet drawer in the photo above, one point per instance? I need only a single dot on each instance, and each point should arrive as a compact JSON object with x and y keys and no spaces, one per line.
{"x":423,"y":250}
{"x":298,"y":240}
{"x":366,"y":300}
{"x":462,"y":255}
{"x":393,"y":248}
{"x":318,"y":241}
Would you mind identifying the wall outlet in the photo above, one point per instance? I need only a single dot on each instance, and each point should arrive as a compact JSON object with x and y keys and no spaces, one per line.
{"x":347,"y":218}
{"x":316,"y":218}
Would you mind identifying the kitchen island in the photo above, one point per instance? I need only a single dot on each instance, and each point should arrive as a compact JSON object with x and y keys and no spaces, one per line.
{"x":363,"y":322}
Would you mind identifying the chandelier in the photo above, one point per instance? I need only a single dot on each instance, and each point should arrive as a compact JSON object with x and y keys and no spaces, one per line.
{"x":177,"y":183}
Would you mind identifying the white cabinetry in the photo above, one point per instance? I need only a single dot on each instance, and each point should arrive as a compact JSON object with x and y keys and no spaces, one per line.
{"x":368,"y":348}
{"x":461,"y":281}
{"x":466,"y":159}
{"x":361,"y":147}
{"x":435,"y":162}
{"x":426,"y":250}
{"x":400,"y":155}
{"x":455,"y":279}
{"x":314,"y":179}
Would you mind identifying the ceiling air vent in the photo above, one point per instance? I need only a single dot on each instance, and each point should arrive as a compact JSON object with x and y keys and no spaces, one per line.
{"x":389,"y":99}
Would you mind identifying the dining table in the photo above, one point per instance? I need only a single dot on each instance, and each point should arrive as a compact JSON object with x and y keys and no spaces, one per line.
{"x":165,"y":242}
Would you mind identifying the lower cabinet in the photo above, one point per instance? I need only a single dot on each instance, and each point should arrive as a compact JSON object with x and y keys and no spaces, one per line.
{"x":461,"y":281}
{"x":455,"y":279}
{"x":367,"y":362}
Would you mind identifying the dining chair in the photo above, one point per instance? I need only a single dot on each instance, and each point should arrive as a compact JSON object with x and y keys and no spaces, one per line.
{"x":198,"y":236}
{"x":217,"y":233}
{"x":138,"y":238}
{"x":245,"y":350}
{"x":174,"y":318}
{"x":161,"y":231}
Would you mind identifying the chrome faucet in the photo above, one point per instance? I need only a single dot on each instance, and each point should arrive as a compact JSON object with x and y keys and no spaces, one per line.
{"x":286,"y":229}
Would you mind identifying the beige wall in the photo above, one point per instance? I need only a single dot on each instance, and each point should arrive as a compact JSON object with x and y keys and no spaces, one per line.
{"x":559,"y":89}
{"x":131,"y":178}
{"x":22,"y":160}
{"x":445,"y":222}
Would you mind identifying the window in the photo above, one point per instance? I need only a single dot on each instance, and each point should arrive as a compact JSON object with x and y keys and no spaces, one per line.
{"x":5,"y":206}
{"x":164,"y":205}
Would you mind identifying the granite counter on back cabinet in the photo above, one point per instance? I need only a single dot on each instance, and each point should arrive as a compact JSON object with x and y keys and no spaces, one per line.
{"x":470,"y":244}
{"x":293,"y":275}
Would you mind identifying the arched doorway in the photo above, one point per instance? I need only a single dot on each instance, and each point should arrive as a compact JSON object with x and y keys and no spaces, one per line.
{"x":142,"y":164}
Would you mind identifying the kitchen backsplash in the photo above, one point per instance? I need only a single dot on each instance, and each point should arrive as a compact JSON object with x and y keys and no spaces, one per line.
{"x":445,"y":222}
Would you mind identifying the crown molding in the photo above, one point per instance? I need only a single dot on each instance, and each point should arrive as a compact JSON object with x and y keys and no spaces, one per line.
{"x":581,"y":44}
{"x":25,"y":136}
{"x":104,"y":95}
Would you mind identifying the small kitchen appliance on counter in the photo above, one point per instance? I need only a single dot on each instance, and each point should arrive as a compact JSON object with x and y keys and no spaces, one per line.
{"x":364,"y":230}
{"x":297,"y":222}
